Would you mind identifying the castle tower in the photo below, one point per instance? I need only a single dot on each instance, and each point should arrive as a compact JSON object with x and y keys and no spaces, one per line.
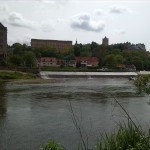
{"x":3,"y":42}
{"x":76,"y":42}
{"x":105,"y":41}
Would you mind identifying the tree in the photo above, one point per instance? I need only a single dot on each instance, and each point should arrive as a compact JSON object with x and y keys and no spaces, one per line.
{"x":29,"y":59}
{"x":15,"y":60}
{"x":142,"y":84}
{"x":17,"y":48}
{"x":119,"y":59}
{"x":110,"y":61}
{"x":137,"y":62}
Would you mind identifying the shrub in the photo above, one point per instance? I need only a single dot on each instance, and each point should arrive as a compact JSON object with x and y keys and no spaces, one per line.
{"x":52,"y":145}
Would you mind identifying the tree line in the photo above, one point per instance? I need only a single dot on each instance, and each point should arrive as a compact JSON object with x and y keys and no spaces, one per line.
{"x":110,"y":56}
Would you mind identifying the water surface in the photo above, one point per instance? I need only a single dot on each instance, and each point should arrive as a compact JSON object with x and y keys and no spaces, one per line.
{"x":31,"y":114}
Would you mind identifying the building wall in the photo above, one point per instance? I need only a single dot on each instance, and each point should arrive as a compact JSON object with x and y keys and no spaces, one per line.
{"x":61,"y":46}
{"x":105,"y":41}
{"x":3,"y":42}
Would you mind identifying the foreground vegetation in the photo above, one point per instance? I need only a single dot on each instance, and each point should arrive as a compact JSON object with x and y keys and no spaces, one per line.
{"x":9,"y":75}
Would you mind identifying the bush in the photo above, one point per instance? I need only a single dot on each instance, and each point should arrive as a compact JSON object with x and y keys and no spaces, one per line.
{"x":52,"y":145}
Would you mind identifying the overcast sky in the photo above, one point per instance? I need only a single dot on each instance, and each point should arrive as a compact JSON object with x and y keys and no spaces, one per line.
{"x":84,"y":20}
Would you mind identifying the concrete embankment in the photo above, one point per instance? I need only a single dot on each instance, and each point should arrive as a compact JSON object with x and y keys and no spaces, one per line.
{"x":48,"y":74}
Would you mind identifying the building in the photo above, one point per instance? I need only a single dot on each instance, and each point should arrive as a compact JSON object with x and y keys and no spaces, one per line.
{"x":87,"y":61}
{"x":3,"y":42}
{"x":60,"y":46}
{"x":105,"y":41}
{"x":51,"y":62}
{"x":139,"y":46}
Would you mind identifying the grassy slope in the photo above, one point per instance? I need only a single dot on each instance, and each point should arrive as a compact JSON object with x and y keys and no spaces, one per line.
{"x":9,"y":75}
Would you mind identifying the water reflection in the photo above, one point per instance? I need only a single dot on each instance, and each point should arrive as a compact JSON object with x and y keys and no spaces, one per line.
{"x":2,"y":99}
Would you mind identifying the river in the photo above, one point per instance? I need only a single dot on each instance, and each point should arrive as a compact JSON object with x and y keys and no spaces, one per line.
{"x":31,"y":114}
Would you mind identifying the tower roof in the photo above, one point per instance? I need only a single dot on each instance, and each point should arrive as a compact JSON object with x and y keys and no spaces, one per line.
{"x":2,"y":27}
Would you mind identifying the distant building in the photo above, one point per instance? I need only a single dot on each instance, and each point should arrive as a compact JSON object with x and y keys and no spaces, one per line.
{"x":139,"y":46}
{"x":105,"y":41}
{"x":87,"y":61}
{"x":61,"y":46}
{"x":3,"y":42}
{"x":51,"y":61}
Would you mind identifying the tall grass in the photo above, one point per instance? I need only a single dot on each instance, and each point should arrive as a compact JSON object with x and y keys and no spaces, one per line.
{"x":128,"y":137}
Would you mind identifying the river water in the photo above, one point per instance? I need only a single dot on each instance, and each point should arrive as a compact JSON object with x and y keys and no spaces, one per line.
{"x":31,"y":114}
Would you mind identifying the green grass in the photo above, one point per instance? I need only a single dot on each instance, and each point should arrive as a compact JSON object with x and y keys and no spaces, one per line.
{"x":9,"y":75}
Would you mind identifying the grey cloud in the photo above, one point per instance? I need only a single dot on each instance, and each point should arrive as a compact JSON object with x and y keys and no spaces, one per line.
{"x":119,"y":31}
{"x":84,"y":22}
{"x":4,"y":8}
{"x":122,"y":32}
{"x":98,"y":12}
{"x":46,"y":27}
{"x":119,"y":9}
{"x":16,"y":19}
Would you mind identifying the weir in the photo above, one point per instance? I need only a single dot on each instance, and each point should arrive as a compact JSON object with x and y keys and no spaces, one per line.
{"x":49,"y":74}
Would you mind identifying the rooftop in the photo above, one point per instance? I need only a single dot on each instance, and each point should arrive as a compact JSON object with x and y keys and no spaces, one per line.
{"x":2,"y":27}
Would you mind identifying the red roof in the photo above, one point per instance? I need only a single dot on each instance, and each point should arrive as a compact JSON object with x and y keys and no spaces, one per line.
{"x":88,"y":59}
{"x":48,"y":59}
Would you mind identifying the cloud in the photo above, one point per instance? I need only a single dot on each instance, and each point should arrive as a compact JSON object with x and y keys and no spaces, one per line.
{"x":98,"y":12}
{"x":47,"y":27}
{"x":3,"y":11}
{"x":118,"y":31}
{"x":83,"y":21}
{"x":4,"y":8}
{"x":116,"y":9}
{"x":16,"y":19}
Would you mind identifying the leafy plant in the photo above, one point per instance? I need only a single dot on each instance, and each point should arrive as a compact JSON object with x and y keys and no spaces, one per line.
{"x":142,"y":84}
{"x":52,"y":145}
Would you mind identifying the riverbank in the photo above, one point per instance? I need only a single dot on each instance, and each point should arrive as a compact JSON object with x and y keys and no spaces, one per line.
{"x":23,"y":78}
{"x":15,"y":75}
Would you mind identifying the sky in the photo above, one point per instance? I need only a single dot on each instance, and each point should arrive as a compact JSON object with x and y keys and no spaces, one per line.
{"x":82,"y":20}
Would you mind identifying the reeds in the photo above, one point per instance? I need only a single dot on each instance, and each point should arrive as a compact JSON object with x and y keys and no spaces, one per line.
{"x":128,"y":137}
